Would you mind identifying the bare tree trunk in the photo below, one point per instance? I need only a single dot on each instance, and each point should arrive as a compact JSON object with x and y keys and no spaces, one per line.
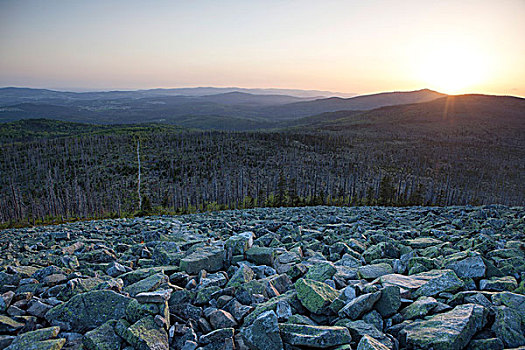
{"x":138,"y":182}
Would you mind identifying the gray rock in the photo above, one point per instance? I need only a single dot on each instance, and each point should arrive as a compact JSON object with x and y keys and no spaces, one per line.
{"x":41,"y":339}
{"x":222,"y":319}
{"x":89,"y":310}
{"x":261,"y":255}
{"x":240,"y":243}
{"x":263,"y":333}
{"x":314,"y":295}
{"x":358,"y":306}
{"x":144,"y":334}
{"x":499,"y":284}
{"x":314,"y":336}
{"x":509,"y":326}
{"x":473,"y":267}
{"x":451,"y":330}
{"x":369,"y":343}
{"x":102,"y":338}
{"x":208,"y":258}
{"x":374,"y":271}
{"x":420,"y":308}
{"x":389,"y":302}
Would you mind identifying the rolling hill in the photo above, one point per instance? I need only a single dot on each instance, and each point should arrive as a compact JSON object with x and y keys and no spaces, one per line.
{"x":231,"y":110}
{"x":480,"y":114}
{"x":365,"y":102}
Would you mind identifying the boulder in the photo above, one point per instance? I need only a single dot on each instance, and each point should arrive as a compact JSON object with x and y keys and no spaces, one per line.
{"x":239,"y":243}
{"x":148,"y":284}
{"x":89,"y":310}
{"x":358,"y":306}
{"x":321,"y":271}
{"x":261,"y":255}
{"x":420,"y":308}
{"x":145,"y":334}
{"x":509,"y":326}
{"x":263,"y":333}
{"x":369,"y":343}
{"x":448,"y":331}
{"x":102,"y":338}
{"x":210,"y":259}
{"x":315,"y":296}
{"x":471,"y":267}
{"x":374,"y":271}
{"x":389,"y":302}
{"x":314,"y":336}
{"x":244,"y":274}
{"x":428,"y":283}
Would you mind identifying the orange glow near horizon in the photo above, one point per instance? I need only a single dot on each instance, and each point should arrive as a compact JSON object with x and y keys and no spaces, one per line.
{"x":469,"y":46}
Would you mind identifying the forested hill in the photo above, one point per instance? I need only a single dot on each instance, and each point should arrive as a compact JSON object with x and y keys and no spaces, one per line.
{"x":452,"y":151}
{"x":234,"y":110}
{"x":489,"y":118}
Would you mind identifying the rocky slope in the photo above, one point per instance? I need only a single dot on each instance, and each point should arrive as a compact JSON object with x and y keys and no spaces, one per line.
{"x":322,"y":277}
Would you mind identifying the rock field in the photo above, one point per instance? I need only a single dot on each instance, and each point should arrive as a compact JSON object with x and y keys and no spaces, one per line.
{"x":291,"y":278}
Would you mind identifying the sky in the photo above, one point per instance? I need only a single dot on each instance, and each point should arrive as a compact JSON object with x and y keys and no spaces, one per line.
{"x":347,"y":46}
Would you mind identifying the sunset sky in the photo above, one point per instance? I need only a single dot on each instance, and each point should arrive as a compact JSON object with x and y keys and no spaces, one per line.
{"x":347,"y":46}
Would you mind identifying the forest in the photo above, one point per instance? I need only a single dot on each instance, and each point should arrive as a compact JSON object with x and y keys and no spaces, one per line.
{"x":56,"y":171}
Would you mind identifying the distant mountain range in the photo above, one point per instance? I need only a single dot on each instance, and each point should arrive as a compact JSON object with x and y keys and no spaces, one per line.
{"x":13,"y":95}
{"x":239,"y":110}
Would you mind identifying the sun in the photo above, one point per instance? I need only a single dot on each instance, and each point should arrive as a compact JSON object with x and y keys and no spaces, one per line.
{"x":452,"y":69}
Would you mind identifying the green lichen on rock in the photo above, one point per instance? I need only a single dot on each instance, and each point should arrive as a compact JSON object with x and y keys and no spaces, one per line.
{"x":210,"y":259}
{"x":244,"y":274}
{"x":314,"y":336}
{"x":89,"y":310}
{"x":148,"y":284}
{"x":145,"y":334}
{"x":448,"y":331}
{"x":314,"y":295}
{"x":261,"y":255}
{"x":102,"y":338}
{"x":321,"y":271}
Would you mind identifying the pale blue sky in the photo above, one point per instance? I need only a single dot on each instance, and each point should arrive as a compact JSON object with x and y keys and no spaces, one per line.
{"x":350,"y":46}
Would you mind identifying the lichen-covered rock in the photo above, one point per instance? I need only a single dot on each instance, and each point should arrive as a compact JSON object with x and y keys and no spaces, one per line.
{"x":89,"y":310}
{"x":263,"y":333}
{"x":261,"y":255}
{"x":102,"y":338}
{"x":145,"y":334}
{"x":499,"y":284}
{"x":369,"y":343}
{"x":314,"y":336}
{"x":451,"y":330}
{"x":314,"y":295}
{"x":420,"y":308}
{"x":41,"y":339}
{"x":321,"y":271}
{"x":244,"y":274}
{"x":240,"y":243}
{"x":473,"y":267}
{"x":316,"y":266}
{"x":9,"y":325}
{"x":271,"y":304}
{"x":374,"y":271}
{"x":210,"y":259}
{"x":358,"y":306}
{"x":508,"y":326}
{"x":389,"y":302}
{"x":427,"y":283}
{"x":148,"y":284}
{"x":358,"y":329}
